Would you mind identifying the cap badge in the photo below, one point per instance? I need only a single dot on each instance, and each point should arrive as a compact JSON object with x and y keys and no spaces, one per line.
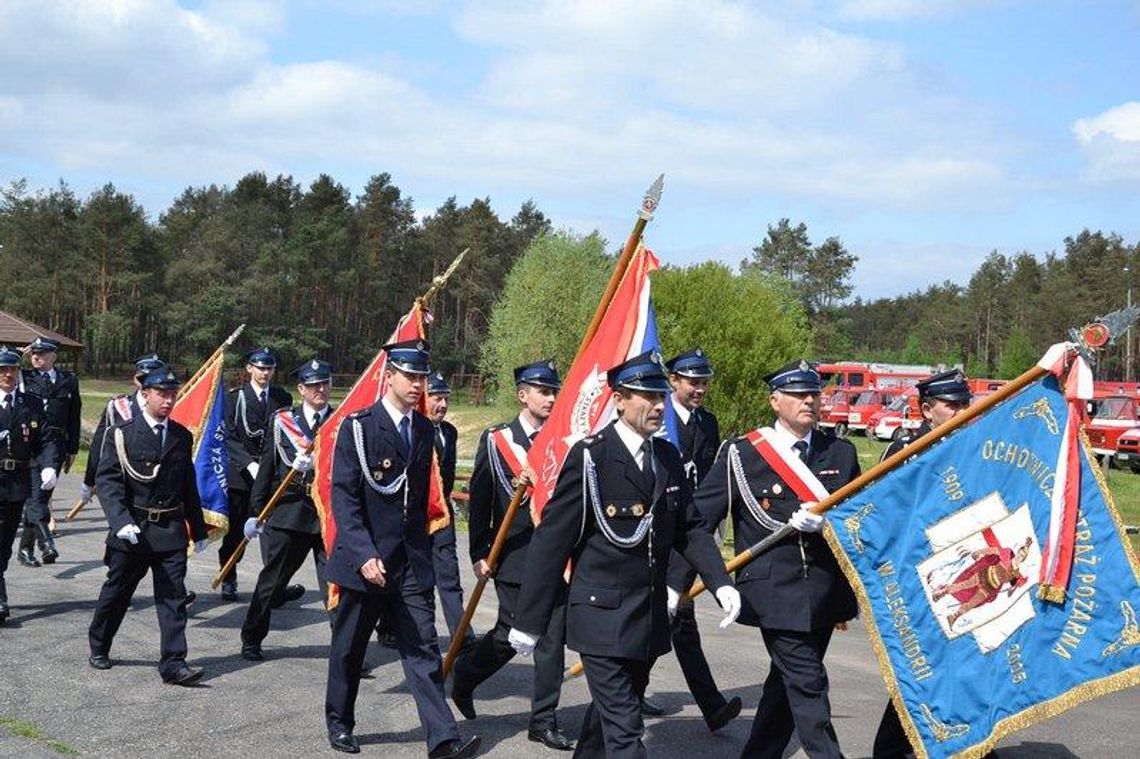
{"x":550,"y":365}
{"x":699,"y":352}
{"x":315,"y":365}
{"x":804,"y":366}
{"x":420,"y":345}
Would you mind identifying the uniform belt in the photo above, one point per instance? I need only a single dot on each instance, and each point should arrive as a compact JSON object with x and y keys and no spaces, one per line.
{"x":13,"y":465}
{"x":153,"y":515}
{"x":303,"y":488}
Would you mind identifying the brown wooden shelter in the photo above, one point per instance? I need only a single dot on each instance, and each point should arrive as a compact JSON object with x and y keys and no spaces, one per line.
{"x":17,"y":333}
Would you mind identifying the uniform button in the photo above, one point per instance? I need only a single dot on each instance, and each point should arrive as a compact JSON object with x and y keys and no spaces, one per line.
{"x":593,"y":599}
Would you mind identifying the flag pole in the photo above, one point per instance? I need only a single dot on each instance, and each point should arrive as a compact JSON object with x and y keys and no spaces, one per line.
{"x":644,"y":216}
{"x":437,"y":284}
{"x":213,"y":356}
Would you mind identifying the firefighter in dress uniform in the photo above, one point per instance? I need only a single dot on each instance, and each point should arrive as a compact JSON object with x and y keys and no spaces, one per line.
{"x":381,"y":558}
{"x":23,"y":441}
{"x":293,"y":530}
{"x":149,"y":492}
{"x":249,"y":409}
{"x":492,"y":486}
{"x":621,"y":504}
{"x":59,"y":391}
{"x":795,"y":593}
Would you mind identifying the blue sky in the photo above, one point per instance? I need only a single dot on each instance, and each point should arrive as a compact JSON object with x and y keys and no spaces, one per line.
{"x":923,"y":133}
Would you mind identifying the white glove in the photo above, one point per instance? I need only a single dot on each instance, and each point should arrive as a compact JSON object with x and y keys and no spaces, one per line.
{"x":303,"y":463}
{"x":253,"y":467}
{"x":672,"y":598}
{"x":86,"y":493}
{"x":522,"y":642}
{"x":201,"y":545}
{"x":252,"y":529}
{"x":48,"y":478}
{"x":129,"y":533}
{"x":806,"y":521}
{"x":729,"y":599}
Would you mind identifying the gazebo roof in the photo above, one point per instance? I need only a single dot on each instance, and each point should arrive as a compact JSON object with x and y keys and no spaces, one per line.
{"x":17,"y":332}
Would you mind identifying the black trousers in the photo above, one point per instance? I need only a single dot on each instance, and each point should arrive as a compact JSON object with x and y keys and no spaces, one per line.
{"x":239,"y":512}
{"x":694,"y":666}
{"x":37,"y":512}
{"x":492,"y":652}
{"x":447,"y":588}
{"x":794,"y":698}
{"x":10,"y":516}
{"x":286,"y":551}
{"x":891,"y":741}
{"x":124,"y":572}
{"x":412,"y":611}
{"x":612,"y":726}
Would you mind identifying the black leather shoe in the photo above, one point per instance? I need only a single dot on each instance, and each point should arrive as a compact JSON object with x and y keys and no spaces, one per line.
{"x":50,"y":553}
{"x":464,"y":702}
{"x":724,"y":715}
{"x":184,"y":676}
{"x":345,"y":742}
{"x":291,"y":593}
{"x":99,"y":661}
{"x":229,"y":590}
{"x":651,"y":708}
{"x":456,"y":749}
{"x":4,"y":611}
{"x":252,"y":652}
{"x":27,"y":558}
{"x":551,"y":737}
{"x":189,"y":599}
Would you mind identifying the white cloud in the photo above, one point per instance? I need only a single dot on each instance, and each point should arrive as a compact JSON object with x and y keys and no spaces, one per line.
{"x":1110,"y":142}
{"x":896,"y":10}
{"x":570,"y":97}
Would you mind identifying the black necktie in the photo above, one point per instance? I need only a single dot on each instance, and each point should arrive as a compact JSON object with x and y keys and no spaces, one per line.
{"x":647,"y":463}
{"x":159,"y":429}
{"x":406,"y":433}
{"x":801,"y":449}
{"x":7,"y":402}
{"x":317,"y":419}
{"x":264,"y":396}
{"x":442,"y":441}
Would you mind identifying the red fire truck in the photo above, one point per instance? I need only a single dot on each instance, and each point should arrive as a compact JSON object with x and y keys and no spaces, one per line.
{"x":869,"y":403}
{"x":1115,"y":410}
{"x":846,"y":381}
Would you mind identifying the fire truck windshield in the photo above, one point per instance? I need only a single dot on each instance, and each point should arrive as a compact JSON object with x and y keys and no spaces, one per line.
{"x":898,"y":404}
{"x":1116,"y":408}
{"x":866,"y":397}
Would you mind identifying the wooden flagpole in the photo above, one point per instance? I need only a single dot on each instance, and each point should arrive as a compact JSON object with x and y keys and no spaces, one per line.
{"x":644,"y":216}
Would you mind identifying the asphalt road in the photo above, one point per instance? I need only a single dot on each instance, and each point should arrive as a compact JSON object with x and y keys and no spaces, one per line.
{"x":275,"y":708}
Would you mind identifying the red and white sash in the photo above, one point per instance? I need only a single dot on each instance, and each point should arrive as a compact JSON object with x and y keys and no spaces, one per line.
{"x":122,"y":406}
{"x":511,"y":453}
{"x":787,"y":465}
{"x":292,"y":431}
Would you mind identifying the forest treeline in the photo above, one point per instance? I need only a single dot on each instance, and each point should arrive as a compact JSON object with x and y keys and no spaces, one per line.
{"x":317,"y":270}
{"x":310,"y":270}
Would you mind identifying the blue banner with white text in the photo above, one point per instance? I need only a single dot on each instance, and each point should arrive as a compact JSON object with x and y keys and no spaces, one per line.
{"x":945,"y":553}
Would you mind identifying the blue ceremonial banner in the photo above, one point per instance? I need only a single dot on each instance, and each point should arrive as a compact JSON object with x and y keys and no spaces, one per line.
{"x":201,"y":407}
{"x":945,"y":555}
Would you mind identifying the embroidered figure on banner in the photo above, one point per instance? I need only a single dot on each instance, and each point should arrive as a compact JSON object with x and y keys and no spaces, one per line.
{"x":985,"y":561}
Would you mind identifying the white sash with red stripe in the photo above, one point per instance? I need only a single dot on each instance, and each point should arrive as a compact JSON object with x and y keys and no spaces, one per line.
{"x":510,"y":452}
{"x":787,"y":466}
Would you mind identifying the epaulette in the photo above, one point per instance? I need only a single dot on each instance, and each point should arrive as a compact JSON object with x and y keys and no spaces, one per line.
{"x":498,"y":426}
{"x":592,"y":440}
{"x":361,"y":413}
